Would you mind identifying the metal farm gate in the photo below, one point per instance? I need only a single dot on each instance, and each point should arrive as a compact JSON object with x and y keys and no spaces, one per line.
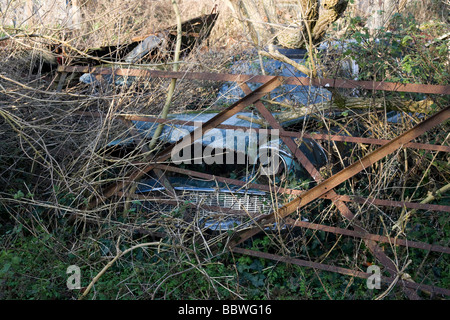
{"x":324,"y":188}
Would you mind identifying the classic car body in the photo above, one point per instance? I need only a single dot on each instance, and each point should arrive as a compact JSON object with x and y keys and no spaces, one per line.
{"x":221,"y":206}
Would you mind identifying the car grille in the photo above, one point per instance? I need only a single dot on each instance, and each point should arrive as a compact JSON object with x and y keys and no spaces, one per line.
{"x":252,"y":204}
{"x":216,"y":210}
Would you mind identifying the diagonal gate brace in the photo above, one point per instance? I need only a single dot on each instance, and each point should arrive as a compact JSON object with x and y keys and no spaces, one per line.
{"x":292,"y":206}
{"x":315,"y":174}
{"x":345,"y":174}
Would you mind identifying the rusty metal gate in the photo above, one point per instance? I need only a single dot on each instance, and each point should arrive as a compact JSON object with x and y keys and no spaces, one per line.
{"x":324,"y":188}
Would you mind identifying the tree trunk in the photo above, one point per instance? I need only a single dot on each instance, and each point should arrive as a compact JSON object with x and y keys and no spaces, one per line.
{"x":379,"y":12}
{"x":270,"y":22}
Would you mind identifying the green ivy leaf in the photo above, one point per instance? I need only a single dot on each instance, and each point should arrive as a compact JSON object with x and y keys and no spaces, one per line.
{"x":19,"y":195}
{"x":406,"y":39}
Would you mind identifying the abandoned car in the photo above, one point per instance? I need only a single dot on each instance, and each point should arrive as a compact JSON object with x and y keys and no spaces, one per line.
{"x":247,"y":154}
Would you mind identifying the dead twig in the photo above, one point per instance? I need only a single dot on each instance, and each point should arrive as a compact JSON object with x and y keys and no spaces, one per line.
{"x":118,"y":255}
